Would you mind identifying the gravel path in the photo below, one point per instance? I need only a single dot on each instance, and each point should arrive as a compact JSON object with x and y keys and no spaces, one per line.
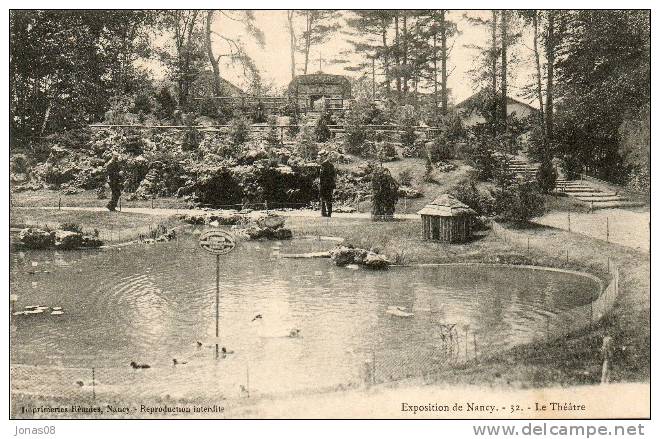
{"x":628,"y":228}
{"x":306,"y":213}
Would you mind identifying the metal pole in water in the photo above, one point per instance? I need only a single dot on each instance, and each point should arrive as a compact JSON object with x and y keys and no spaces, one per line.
{"x":217,"y":301}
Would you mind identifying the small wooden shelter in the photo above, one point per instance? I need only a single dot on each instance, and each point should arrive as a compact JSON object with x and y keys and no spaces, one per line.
{"x":320,"y":89}
{"x":446,"y":219}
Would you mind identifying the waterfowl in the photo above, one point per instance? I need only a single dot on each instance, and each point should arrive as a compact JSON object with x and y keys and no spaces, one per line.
{"x":224,"y":351}
{"x":80,"y":383}
{"x":135,"y":365}
{"x":175,"y":362}
{"x":58,"y":312}
{"x":199,"y":344}
{"x":294,"y":333}
{"x":398,"y":311}
{"x":257,"y":317}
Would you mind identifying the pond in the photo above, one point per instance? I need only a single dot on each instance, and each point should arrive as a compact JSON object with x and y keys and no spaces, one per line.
{"x":153,"y":303}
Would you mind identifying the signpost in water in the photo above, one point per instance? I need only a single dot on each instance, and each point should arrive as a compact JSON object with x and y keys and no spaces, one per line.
{"x":217,"y":242}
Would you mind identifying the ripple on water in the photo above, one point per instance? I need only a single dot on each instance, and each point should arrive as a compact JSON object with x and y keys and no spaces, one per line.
{"x":153,"y":303}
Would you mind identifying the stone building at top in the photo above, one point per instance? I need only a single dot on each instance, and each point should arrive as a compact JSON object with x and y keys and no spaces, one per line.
{"x":317,"y":91}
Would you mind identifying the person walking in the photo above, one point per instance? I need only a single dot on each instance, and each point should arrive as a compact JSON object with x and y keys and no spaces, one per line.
{"x":327,"y":183}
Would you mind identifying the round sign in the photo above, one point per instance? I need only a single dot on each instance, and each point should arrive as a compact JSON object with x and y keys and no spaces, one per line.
{"x":217,"y":242}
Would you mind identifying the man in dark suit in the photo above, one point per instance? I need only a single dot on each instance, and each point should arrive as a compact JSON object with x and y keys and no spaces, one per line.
{"x":327,"y":183}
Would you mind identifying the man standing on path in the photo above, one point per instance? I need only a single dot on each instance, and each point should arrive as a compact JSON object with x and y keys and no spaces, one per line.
{"x":114,"y":180}
{"x":327,"y":182}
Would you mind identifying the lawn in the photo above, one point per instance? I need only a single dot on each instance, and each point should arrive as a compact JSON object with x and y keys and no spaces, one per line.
{"x":113,"y":227}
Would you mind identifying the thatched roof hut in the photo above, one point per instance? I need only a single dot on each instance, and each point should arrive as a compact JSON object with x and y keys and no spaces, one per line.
{"x":447,"y":219}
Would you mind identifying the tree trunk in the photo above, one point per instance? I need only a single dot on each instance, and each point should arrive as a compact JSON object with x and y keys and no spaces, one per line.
{"x":550,"y":58}
{"x":386,"y":60}
{"x":405,"y":56}
{"x":373,"y":77}
{"x":539,"y":88}
{"x":292,"y":43}
{"x":505,"y":30}
{"x":493,"y":28}
{"x":308,"y":39}
{"x":217,"y":87}
{"x":443,"y":61}
{"x":397,"y":59}
{"x":435,"y":72}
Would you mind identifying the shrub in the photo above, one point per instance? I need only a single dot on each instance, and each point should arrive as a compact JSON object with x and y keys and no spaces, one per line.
{"x":356,"y":133}
{"x":571,"y":166}
{"x":321,"y":130}
{"x":133,"y":143}
{"x":468,"y":193}
{"x":191,"y":139}
{"x":481,"y":157}
{"x":239,"y":130}
{"x":306,"y":146}
{"x":405,"y":177}
{"x":385,"y":194}
{"x":408,"y":122}
{"x":546,"y":176}
{"x":19,"y":164}
{"x":142,"y":104}
{"x":273,"y":135}
{"x":71,"y":227}
{"x":518,"y":203}
{"x":166,"y":104}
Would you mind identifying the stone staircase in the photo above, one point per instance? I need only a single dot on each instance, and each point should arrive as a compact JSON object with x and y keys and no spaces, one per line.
{"x":593,"y":195}
{"x":523,"y":169}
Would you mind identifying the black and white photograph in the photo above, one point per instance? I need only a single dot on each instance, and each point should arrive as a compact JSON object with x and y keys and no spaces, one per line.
{"x":329,"y":214}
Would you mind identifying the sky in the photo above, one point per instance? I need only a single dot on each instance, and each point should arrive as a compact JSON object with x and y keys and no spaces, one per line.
{"x":274,"y":63}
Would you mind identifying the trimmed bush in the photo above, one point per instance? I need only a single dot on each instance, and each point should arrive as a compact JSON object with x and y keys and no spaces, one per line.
{"x":385,"y":194}
{"x":546,"y":176}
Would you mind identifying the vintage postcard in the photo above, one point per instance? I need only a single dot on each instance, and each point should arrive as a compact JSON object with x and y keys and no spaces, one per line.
{"x":330,"y":214}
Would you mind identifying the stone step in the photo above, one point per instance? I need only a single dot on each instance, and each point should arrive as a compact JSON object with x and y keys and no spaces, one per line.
{"x":595,"y":194}
{"x":573,"y":191}
{"x":618,"y":204}
{"x":600,"y":199}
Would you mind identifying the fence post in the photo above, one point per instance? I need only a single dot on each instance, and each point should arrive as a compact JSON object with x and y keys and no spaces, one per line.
{"x":93,"y":384}
{"x":547,"y":327}
{"x":528,"y":245}
{"x":247,"y":379}
{"x":569,"y":221}
{"x":474,"y":339}
{"x":373,"y":359}
{"x":607,"y":228}
{"x":59,"y":203}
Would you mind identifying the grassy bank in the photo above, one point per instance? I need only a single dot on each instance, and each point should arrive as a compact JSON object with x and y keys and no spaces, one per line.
{"x":113,"y":227}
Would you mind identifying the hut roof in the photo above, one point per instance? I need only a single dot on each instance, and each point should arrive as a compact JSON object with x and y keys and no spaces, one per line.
{"x":446,"y":205}
{"x":321,"y":79}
